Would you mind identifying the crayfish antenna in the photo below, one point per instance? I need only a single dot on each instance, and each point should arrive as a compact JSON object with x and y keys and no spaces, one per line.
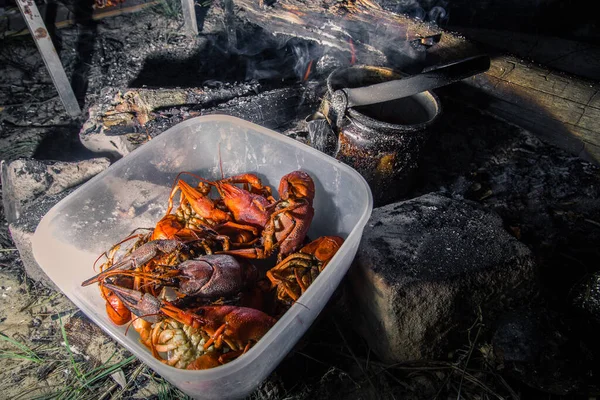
{"x":114,"y":267}
{"x":201,"y":179}
{"x":105,"y":254}
{"x":132,"y":235}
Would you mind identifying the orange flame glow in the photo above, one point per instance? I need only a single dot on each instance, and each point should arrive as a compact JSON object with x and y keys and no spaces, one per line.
{"x":352,"y":52}
{"x":308,"y":70}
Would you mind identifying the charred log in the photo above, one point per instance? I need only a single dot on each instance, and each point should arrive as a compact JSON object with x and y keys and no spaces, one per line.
{"x":124,"y":114}
{"x":377,"y":36}
{"x":126,"y":118}
{"x":277,"y":109}
{"x":123,"y":109}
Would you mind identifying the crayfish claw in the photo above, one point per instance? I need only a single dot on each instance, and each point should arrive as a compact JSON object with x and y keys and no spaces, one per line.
{"x":144,"y":305}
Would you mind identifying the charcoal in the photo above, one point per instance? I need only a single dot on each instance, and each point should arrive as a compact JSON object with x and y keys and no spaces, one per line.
{"x":586,"y":298}
{"x":536,"y":346}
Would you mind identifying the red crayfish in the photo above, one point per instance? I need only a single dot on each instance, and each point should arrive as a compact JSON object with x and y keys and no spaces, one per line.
{"x":289,"y":219}
{"x":198,"y":299}
{"x":292,"y":276}
{"x":236,"y":327}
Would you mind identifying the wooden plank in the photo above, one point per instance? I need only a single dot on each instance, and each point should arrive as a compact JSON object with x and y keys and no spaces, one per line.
{"x":571,"y":56}
{"x":547,"y":95}
{"x":591,"y":152}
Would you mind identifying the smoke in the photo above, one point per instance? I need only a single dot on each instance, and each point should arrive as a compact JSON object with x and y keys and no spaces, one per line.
{"x":292,"y":59}
{"x":263,"y":56}
{"x":437,"y":15}
{"x":260,"y":55}
{"x":303,"y":57}
{"x":433,"y":11}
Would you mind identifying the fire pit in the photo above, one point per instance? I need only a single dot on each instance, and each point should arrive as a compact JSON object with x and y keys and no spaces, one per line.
{"x":495,"y":218}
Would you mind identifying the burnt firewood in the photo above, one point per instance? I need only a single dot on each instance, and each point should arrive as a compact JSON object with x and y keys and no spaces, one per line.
{"x":277,"y":109}
{"x":125,"y":119}
{"x":360,"y":29}
{"x":120,"y":119}
{"x":127,"y":107}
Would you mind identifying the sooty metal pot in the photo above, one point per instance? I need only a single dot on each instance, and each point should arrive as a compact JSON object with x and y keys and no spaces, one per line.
{"x":382,"y":141}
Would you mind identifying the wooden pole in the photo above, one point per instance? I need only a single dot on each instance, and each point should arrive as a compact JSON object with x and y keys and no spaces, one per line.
{"x":42,"y":39}
{"x":189,"y":16}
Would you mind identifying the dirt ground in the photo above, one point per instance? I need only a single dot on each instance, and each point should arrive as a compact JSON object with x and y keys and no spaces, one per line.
{"x":548,"y":198}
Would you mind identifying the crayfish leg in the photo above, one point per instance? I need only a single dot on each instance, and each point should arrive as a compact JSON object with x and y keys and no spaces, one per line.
{"x":230,"y":224}
{"x":205,"y":361}
{"x":299,"y":280}
{"x":216,"y":338}
{"x":289,"y":291}
{"x":251,"y":253}
{"x":231,"y":355}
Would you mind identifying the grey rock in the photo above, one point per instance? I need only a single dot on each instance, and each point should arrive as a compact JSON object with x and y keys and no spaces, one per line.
{"x":424,"y":269}
{"x":30,"y":188}
{"x":22,"y":231}
{"x":24,"y":180}
{"x":117,"y":145}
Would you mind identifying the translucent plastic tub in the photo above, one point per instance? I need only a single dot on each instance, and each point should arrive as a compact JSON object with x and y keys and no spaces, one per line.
{"x":133,"y":193}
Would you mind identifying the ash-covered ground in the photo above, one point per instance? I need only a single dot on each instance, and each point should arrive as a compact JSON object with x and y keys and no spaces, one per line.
{"x":546,"y":198}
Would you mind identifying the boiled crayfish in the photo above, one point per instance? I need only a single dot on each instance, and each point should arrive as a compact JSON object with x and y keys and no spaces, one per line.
{"x":188,"y":286}
{"x":289,"y":219}
{"x":209,"y":328}
{"x":292,"y":276}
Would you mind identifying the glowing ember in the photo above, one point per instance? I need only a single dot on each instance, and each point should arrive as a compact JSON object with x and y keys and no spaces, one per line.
{"x":308,"y":70}
{"x":352,"y":51}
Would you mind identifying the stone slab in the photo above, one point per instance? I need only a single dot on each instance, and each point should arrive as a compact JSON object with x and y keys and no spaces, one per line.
{"x":30,"y":188}
{"x":26,"y":179}
{"x":424,"y":269}
{"x":22,"y":231}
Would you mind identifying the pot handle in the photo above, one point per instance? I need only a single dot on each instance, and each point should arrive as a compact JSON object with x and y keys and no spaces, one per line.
{"x":430,"y":78}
